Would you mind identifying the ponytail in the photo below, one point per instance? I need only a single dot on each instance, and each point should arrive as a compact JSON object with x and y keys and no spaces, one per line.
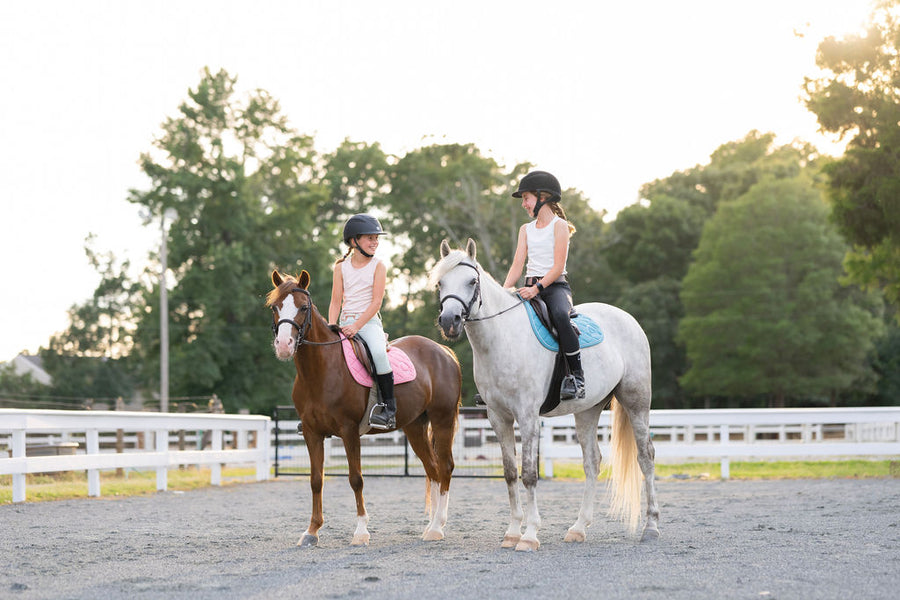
{"x":559,"y":212}
{"x":344,"y":257}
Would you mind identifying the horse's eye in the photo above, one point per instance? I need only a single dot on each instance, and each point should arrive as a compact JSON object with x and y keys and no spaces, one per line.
{"x":473,"y":282}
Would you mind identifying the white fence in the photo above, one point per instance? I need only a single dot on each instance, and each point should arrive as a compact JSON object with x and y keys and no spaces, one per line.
{"x":720,"y":434}
{"x":725,"y":434}
{"x":678,"y":435}
{"x":19,"y":425}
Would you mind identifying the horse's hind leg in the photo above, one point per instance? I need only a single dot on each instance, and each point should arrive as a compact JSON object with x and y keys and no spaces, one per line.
{"x":586,"y":431}
{"x":417,"y":436}
{"x":503,"y":427}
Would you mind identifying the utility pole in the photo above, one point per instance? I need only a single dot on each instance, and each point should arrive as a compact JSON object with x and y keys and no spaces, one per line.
{"x":168,"y":214}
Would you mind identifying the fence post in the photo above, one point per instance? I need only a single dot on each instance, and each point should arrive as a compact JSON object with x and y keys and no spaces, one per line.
{"x":216,"y":468}
{"x":545,"y":445}
{"x":18,"y":451}
{"x":162,"y":471}
{"x":724,"y":435}
{"x":120,"y":436}
{"x":92,"y":442}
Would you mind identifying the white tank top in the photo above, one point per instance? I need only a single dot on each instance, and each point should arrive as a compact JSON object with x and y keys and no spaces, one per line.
{"x":358,"y":284}
{"x":540,"y":248}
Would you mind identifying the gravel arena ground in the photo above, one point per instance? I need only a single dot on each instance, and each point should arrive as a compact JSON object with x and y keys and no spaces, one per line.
{"x":720,"y":539}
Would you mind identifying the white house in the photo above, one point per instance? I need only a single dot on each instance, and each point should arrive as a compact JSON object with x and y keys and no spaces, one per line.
{"x":25,"y":364}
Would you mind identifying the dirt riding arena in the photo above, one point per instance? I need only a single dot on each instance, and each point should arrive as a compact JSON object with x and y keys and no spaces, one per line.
{"x":768,"y":539}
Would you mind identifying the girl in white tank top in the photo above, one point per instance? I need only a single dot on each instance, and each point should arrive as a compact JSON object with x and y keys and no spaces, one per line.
{"x":544,"y":242}
{"x":357,"y":291}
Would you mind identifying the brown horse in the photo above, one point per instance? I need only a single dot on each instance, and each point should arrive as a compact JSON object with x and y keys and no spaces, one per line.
{"x":330,"y":402}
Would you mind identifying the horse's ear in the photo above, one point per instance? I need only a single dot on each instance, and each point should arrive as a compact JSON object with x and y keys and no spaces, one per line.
{"x":445,"y":248}
{"x":304,"y":279}
{"x":470,"y":248}
{"x":276,"y":278}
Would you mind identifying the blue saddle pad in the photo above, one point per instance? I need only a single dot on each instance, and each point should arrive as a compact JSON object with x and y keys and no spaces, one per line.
{"x":591,"y":335}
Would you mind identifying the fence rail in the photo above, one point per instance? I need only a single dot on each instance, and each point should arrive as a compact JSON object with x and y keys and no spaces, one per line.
{"x":719,"y":434}
{"x":725,"y":434}
{"x":22,"y":425}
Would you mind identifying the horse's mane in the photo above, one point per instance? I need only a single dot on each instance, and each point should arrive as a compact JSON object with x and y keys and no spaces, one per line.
{"x":289,"y":283}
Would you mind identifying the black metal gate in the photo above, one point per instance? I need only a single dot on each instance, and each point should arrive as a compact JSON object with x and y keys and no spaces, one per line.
{"x":476,"y":452}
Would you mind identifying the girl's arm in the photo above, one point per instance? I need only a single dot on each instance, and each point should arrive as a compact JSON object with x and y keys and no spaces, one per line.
{"x":377,"y":298}
{"x":337,"y":295}
{"x":518,"y":263}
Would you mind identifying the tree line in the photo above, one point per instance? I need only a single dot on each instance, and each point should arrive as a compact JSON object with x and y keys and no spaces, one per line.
{"x":766,"y":277}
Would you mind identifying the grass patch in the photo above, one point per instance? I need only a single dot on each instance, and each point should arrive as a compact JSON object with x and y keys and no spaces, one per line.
{"x":67,"y":485}
{"x":73,"y":484}
{"x":838,"y":469}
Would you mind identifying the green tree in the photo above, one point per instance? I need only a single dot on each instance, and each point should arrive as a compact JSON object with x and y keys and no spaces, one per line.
{"x":858,"y":97}
{"x":90,"y":359}
{"x":765,"y":315}
{"x":653,"y":241}
{"x":242,"y":184}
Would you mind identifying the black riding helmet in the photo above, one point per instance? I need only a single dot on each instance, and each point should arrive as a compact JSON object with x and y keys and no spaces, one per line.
{"x":537,"y":182}
{"x":361,"y":224}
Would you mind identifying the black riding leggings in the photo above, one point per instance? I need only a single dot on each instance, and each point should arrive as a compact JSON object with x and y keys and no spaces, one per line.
{"x":558,"y":298}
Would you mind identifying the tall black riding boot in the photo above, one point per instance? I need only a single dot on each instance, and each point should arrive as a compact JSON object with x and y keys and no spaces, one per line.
{"x":573,"y":384}
{"x":384,"y":414}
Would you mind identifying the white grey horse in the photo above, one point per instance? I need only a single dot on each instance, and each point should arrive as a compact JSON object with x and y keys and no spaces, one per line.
{"x":513,"y":370}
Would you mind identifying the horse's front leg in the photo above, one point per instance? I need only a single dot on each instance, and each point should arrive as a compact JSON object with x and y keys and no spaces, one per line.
{"x":351,"y":447}
{"x":529,"y":429}
{"x":506,"y":435}
{"x":315,"y":446}
{"x":586,"y":431}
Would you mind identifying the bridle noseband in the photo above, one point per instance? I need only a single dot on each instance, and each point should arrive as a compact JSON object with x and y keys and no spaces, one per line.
{"x":476,"y":296}
{"x":301,"y":329}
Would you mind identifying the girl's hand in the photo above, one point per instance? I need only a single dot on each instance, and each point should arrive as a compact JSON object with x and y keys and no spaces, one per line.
{"x":350,"y":330}
{"x":528,"y":292}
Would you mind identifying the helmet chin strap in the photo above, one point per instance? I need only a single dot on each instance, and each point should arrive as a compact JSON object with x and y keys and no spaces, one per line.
{"x":537,"y":207}
{"x":363,"y":252}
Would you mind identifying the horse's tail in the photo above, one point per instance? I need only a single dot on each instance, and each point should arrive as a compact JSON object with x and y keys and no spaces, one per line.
{"x":428,"y":507}
{"x":625,"y":479}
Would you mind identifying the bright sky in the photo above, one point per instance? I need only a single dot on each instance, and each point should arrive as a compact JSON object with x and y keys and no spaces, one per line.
{"x":606,"y":95}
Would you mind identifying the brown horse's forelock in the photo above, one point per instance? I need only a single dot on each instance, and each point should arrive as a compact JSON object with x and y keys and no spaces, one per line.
{"x":277,"y":294}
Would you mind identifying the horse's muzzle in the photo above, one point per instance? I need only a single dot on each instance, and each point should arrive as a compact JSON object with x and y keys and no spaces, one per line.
{"x":284,"y":350}
{"x":451,"y":325}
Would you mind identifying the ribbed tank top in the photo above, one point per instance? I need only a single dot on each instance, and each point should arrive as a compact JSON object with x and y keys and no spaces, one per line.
{"x":358,"y":284}
{"x":540,"y":248}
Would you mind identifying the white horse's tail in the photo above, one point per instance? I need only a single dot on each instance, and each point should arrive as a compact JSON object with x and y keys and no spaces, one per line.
{"x":625,"y":478}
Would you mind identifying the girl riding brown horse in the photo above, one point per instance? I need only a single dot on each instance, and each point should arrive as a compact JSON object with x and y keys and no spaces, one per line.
{"x":330,"y":402}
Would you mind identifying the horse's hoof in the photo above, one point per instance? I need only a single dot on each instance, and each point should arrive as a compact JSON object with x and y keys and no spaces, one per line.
{"x":527,"y":545}
{"x":574,"y":536}
{"x":308,"y":541}
{"x":360,"y":540}
{"x":433,"y":535}
{"x":510,"y":541}
{"x":650,"y":535}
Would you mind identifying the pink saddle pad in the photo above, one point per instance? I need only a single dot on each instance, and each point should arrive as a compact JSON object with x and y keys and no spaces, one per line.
{"x":403,"y":368}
